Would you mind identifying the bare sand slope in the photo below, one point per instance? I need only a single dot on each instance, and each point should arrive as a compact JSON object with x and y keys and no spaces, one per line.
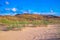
{"x":38,"y":33}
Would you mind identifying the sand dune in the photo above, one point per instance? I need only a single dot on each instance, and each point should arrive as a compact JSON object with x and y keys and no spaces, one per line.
{"x":36,"y":33}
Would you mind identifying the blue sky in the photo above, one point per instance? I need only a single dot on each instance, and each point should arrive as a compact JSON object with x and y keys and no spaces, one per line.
{"x":35,"y":6}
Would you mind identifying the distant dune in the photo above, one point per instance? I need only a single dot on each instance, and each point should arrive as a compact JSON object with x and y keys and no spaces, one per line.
{"x":9,"y":22}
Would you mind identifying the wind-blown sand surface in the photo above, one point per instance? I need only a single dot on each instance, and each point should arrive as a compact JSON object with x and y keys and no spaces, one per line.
{"x":52,"y":32}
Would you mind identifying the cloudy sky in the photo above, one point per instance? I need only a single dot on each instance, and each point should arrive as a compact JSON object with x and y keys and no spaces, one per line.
{"x":31,"y":6}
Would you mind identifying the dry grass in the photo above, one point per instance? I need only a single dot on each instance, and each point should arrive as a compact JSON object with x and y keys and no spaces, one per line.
{"x":26,"y":20}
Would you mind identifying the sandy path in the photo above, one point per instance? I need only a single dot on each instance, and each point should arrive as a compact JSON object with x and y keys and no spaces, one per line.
{"x":37,"y":33}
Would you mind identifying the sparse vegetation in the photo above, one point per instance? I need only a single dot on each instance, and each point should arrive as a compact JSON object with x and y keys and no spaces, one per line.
{"x":27,"y":20}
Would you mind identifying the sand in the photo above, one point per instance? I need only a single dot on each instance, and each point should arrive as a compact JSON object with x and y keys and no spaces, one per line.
{"x":51,"y":32}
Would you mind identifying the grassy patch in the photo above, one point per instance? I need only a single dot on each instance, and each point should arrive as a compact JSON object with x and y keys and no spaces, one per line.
{"x":21,"y":24}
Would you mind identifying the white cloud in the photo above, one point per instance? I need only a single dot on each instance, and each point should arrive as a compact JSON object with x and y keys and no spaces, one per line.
{"x":30,"y":11}
{"x":6,"y":14}
{"x":25,"y":12}
{"x":7,"y":2}
{"x":36,"y":13}
{"x":51,"y":11}
{"x":48,"y":13}
{"x":14,"y":9}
